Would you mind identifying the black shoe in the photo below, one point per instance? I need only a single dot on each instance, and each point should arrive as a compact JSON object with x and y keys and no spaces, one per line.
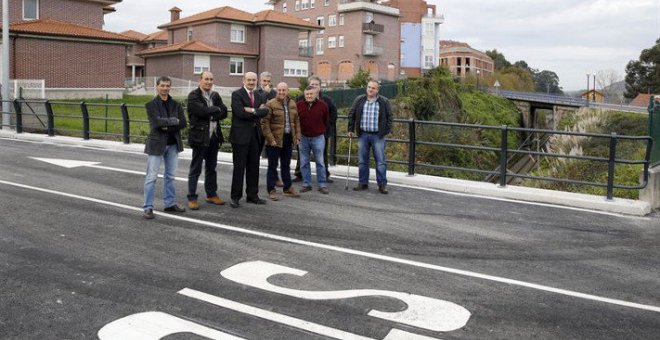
{"x":255,"y":200}
{"x":361,"y":187}
{"x":175,"y":209}
{"x":148,"y":214}
{"x":329,"y":180}
{"x":297,"y":179}
{"x":234,"y":204}
{"x":382,"y":189}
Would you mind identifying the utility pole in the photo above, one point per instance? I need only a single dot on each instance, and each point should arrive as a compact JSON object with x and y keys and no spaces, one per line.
{"x":6,"y":117}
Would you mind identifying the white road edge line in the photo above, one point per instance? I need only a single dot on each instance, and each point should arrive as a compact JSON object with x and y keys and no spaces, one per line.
{"x":357,"y":252}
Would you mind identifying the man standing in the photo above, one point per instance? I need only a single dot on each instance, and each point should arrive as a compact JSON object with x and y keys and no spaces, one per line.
{"x":266,"y":91}
{"x":205,"y":111}
{"x":315,"y":82}
{"x":281,"y":130}
{"x":313,"y":114}
{"x":245,"y":135}
{"x":166,"y":119}
{"x":371,"y":118}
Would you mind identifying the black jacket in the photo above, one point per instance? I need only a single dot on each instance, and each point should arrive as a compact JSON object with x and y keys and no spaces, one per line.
{"x":200,"y":114}
{"x":244,"y":124}
{"x":162,"y":121}
{"x":385,"y":117}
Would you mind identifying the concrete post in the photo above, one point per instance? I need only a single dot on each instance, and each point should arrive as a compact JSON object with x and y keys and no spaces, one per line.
{"x":651,"y":193}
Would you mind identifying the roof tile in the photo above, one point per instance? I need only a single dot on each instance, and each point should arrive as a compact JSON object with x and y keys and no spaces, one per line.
{"x":63,"y":28}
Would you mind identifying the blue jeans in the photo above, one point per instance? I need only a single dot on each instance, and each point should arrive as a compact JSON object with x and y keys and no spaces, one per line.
{"x":315,"y":144}
{"x":366,"y":142}
{"x":171,"y":157}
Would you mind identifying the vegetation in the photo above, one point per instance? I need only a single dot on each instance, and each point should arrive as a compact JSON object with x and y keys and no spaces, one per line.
{"x":360,"y":79}
{"x":643,"y":75}
{"x":519,"y":76}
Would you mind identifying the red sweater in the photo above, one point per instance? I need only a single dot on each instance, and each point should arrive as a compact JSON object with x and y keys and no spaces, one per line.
{"x":313,"y":118}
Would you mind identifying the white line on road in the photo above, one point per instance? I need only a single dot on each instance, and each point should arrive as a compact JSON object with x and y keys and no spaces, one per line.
{"x":355,"y":252}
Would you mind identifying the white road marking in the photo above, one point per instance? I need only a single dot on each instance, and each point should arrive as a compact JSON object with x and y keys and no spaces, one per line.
{"x":355,"y":252}
{"x":423,"y":312}
{"x":293,"y":322}
{"x":70,"y":164}
{"x":156,"y":325}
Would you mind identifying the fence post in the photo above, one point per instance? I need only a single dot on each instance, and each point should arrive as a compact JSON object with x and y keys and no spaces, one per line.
{"x":333,"y":146}
{"x":610,"y":169}
{"x":85,"y":116}
{"x":127,"y":127}
{"x":51,"y":118}
{"x":411,"y":146}
{"x":503,"y":154}
{"x":19,"y":116}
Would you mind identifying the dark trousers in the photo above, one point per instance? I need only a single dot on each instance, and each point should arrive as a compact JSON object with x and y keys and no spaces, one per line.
{"x":208,"y":156}
{"x":297,"y":172}
{"x":283,"y":156}
{"x":246,"y":165}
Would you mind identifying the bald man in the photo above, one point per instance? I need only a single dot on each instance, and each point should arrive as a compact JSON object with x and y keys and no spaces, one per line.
{"x":248,"y":107}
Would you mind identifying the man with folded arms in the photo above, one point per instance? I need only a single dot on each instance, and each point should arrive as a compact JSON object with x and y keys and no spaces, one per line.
{"x":313,"y":114}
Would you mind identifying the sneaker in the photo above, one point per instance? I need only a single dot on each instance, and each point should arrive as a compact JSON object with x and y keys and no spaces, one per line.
{"x":273,"y":195}
{"x":324,"y":190}
{"x":291,"y":192}
{"x":148,"y":214}
{"x":215,"y":200}
{"x":193,"y":205}
{"x":305,"y":189}
{"x":279,"y":183}
{"x":175,"y":209}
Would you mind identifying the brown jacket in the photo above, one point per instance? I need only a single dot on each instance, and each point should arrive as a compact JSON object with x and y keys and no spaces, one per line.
{"x":272,"y":125}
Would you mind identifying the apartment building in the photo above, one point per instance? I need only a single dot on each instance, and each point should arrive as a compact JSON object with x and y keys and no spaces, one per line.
{"x":420,"y":34}
{"x":462,"y":60}
{"x":356,"y":34}
{"x":62,"y":43}
{"x":230,"y":42}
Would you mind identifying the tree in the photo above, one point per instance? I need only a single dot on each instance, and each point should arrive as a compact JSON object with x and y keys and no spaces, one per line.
{"x":643,"y":75}
{"x":547,"y":81}
{"x":609,"y":82}
{"x":499,"y":59}
{"x":360,"y":79}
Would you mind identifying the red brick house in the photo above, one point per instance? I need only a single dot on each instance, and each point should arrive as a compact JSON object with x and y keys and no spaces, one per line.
{"x":134,"y":63}
{"x":63,"y":43}
{"x":230,"y":42}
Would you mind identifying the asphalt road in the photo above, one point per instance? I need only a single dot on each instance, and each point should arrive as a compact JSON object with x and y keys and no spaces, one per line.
{"x":77,"y":261}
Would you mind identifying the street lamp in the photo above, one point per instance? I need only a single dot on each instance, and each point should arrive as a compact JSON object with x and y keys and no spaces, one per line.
{"x":594,"y":95}
{"x":586,"y":94}
{"x":478,"y":72}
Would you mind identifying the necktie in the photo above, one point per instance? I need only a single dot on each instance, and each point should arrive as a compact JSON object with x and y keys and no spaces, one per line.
{"x":251,"y":98}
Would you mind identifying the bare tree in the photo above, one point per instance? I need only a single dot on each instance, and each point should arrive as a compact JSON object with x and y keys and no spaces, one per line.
{"x":609,"y":83}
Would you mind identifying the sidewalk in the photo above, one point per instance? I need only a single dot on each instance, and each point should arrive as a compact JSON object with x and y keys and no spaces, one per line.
{"x":574,"y":200}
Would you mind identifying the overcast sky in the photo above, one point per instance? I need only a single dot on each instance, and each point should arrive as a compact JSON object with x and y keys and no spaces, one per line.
{"x":570,"y":37}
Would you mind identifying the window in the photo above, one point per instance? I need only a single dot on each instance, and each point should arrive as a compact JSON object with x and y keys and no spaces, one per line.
{"x":313,"y":4}
{"x":428,"y":61}
{"x":297,"y":5}
{"x":320,"y":20}
{"x":237,"y":33}
{"x":332,"y":20}
{"x":332,"y":42}
{"x":429,"y":29}
{"x":190,"y":34}
{"x":284,"y":7}
{"x":295,"y":68}
{"x":236,"y":66}
{"x":368,"y":17}
{"x":326,"y":2}
{"x":305,"y":4}
{"x":319,"y":45}
{"x":303,"y":43}
{"x":202,"y":63}
{"x":30,"y":9}
{"x":341,"y":20}
{"x":341,"y":41}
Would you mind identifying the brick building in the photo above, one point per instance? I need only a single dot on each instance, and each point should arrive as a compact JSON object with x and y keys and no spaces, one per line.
{"x":135,"y":63}
{"x":462,"y":60}
{"x":230,"y":42}
{"x":62,"y":42}
{"x":356,"y":34}
{"x":420,"y":34}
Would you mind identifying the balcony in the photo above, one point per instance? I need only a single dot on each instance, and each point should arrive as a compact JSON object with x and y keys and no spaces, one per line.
{"x":372,"y":28}
{"x":372,"y":51}
{"x":134,"y":61}
{"x":361,"y":5}
{"x":306,"y":52}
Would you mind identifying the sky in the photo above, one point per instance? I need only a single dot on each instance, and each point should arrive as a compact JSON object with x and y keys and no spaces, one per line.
{"x":573,"y":38}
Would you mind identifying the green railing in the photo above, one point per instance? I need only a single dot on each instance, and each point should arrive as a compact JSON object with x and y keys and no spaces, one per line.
{"x":654,"y":130}
{"x":345,"y":97}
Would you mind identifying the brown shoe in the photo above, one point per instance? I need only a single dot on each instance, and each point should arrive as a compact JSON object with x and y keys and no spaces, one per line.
{"x":279,"y":183}
{"x":291,"y":192}
{"x":273,"y":195}
{"x":361,"y":187}
{"x":193,"y":205}
{"x":215,"y":200}
{"x":324,"y":190}
{"x":305,"y":189}
{"x":297,"y":179}
{"x":382,"y":189}
{"x":148,"y":214}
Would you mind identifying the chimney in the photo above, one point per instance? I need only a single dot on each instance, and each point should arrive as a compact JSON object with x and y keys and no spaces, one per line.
{"x":174,"y":13}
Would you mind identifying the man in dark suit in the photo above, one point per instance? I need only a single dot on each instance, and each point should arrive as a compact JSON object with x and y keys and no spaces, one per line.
{"x":166,"y":119}
{"x":205,"y":111}
{"x":248,"y":107}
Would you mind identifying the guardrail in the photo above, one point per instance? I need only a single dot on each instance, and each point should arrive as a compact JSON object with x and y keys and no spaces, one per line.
{"x":129,"y":129}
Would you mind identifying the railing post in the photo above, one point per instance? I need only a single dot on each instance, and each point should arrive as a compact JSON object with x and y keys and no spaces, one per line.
{"x":411,"y":146}
{"x":51,"y":118}
{"x":610,"y":169}
{"x":333,"y":146}
{"x":127,"y":127}
{"x":504,"y":148}
{"x":85,"y":116}
{"x":19,"y":116}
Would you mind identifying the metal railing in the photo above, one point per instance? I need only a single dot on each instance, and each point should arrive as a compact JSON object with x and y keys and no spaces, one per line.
{"x":129,"y":129}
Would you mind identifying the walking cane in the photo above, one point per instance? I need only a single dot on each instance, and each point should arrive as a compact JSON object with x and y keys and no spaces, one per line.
{"x":348,"y":167}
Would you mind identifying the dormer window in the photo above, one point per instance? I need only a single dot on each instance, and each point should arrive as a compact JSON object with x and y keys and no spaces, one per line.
{"x":30,"y":9}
